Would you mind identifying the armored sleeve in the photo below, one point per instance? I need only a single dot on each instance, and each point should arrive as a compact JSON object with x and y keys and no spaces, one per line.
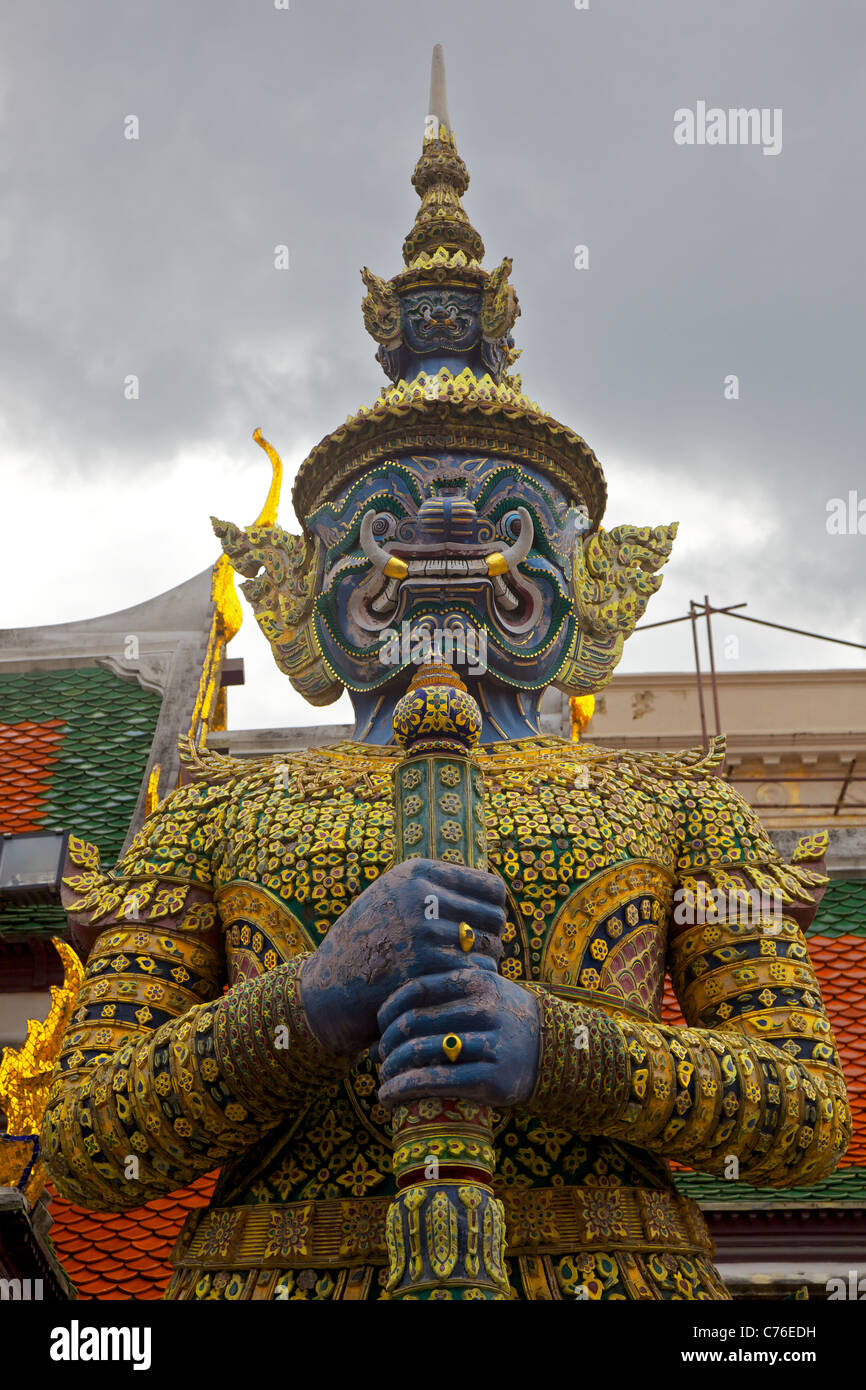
{"x":163,"y":1073}
{"x":755,"y":1074}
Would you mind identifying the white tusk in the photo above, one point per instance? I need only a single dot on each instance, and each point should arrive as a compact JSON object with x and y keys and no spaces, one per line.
{"x":522,"y":546}
{"x":504,"y":594}
{"x":386,"y":602}
{"x":501,"y":562}
{"x":391,"y":565}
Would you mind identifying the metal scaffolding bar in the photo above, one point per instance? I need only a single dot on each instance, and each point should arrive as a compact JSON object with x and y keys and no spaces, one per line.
{"x":686,"y":618}
{"x":713,"y":680}
{"x":845,"y":785}
{"x":761,"y":622}
{"x":694,"y":618}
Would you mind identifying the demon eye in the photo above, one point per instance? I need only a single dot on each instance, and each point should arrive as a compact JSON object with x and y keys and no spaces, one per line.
{"x":510,"y":525}
{"x":384,"y":526}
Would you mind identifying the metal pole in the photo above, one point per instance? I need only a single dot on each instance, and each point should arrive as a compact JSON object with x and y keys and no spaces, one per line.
{"x":712,"y":666}
{"x":693,"y":615}
{"x":686,"y":617}
{"x":845,"y":785}
{"x":799,"y":631}
{"x":762,"y":622}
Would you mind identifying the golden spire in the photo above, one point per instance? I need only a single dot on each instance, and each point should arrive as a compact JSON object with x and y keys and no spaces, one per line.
{"x":228,"y":609}
{"x":268,"y":515}
{"x":440,"y":179}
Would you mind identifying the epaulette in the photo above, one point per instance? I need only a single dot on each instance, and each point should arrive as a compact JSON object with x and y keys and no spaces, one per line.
{"x":304,"y":772}
{"x":687,"y":764}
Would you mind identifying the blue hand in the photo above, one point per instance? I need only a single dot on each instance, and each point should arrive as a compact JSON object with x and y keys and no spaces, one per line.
{"x":499,"y":1026}
{"x":387,"y":937}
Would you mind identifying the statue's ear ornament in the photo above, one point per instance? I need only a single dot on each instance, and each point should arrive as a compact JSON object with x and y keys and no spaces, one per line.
{"x":381,"y":309}
{"x":499,"y":304}
{"x":280,"y":572}
{"x":615,"y":575}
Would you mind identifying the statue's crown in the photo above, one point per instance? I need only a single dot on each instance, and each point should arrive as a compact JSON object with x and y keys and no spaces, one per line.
{"x":443,"y":328}
{"x":442,"y":250}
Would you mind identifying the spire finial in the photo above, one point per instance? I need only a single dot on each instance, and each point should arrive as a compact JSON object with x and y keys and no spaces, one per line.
{"x":438,"y":105}
{"x":440,"y":179}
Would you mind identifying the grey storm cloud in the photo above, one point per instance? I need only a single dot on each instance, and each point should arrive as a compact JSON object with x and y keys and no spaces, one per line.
{"x":300,"y":126}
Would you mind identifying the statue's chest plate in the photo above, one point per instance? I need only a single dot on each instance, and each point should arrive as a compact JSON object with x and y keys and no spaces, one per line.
{"x":588,"y":869}
{"x":609,"y":937}
{"x":587,"y":865}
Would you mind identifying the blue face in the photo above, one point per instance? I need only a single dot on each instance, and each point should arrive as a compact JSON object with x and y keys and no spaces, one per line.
{"x":441,"y":320}
{"x":476,"y":547}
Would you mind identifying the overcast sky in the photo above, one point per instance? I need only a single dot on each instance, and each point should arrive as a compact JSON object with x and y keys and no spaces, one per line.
{"x":261,"y":127}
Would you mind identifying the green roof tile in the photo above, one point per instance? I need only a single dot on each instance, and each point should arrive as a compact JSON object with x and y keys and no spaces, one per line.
{"x":846,"y":1184}
{"x":842,"y":910}
{"x":88,"y":780}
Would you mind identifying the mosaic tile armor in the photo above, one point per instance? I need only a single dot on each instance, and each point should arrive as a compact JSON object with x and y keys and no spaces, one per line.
{"x":238,"y":875}
{"x":454,"y":500}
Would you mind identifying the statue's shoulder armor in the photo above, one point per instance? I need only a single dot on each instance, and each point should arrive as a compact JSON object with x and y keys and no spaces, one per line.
{"x":227,"y":797}
{"x":171,"y":855}
{"x":641,"y":767}
{"x":716,"y":824}
{"x":178,"y":836}
{"x":648,"y":766}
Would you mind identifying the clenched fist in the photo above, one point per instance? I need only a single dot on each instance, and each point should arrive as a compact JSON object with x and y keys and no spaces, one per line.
{"x":497,"y":1021}
{"x":404,"y":926}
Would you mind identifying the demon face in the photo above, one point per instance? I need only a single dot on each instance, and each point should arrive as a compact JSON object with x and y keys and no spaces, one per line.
{"x":473,"y":555}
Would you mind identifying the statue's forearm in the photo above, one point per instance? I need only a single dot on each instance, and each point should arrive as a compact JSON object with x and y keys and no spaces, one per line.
{"x":183,"y":1099}
{"x":696,"y":1095}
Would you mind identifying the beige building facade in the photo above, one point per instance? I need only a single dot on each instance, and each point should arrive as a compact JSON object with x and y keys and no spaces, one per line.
{"x":796,"y":740}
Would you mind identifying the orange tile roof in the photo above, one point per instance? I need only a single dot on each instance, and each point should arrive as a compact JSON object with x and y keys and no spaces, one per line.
{"x":27,"y":751}
{"x":123,"y":1255}
{"x":840,"y":964}
{"x":671,"y":1013}
{"x":74,"y":744}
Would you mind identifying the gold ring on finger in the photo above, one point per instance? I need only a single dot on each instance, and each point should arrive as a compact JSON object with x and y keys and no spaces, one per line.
{"x":466,"y":935}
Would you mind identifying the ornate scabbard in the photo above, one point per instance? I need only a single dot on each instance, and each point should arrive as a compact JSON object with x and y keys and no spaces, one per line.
{"x":445,"y":1229}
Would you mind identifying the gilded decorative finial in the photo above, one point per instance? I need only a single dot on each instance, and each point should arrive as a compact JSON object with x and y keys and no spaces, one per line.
{"x":440,"y":179}
{"x":228,"y":608}
{"x":26,"y":1074}
{"x":280,"y":571}
{"x":437,"y":713}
